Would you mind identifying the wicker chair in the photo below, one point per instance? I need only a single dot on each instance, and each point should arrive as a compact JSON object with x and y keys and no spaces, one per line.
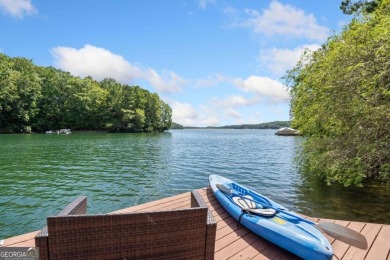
{"x":173,"y":234}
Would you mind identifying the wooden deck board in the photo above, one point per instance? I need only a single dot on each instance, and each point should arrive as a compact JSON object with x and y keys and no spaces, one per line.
{"x":357,"y":226}
{"x":157,"y":204}
{"x":27,"y":238}
{"x":234,"y":242}
{"x":381,"y":246}
{"x":252,"y":250}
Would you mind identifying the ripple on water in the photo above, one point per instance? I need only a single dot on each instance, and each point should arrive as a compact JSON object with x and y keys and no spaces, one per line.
{"x":40,"y":174}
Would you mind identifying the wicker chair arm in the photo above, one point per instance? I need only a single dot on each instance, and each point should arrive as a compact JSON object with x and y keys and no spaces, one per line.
{"x":77,"y":207}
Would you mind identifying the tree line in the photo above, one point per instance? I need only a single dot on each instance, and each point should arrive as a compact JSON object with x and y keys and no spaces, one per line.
{"x":37,"y":99}
{"x":268,"y":125}
{"x":341,"y":100}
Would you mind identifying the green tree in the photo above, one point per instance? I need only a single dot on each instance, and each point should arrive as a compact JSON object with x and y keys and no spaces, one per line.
{"x":20,"y":90}
{"x":341,"y":102}
{"x":138,"y":120}
{"x":38,"y":99}
{"x":55,"y":88}
{"x":166,"y":116}
{"x":365,"y":6}
{"x":124,"y":107}
{"x":83,"y":105}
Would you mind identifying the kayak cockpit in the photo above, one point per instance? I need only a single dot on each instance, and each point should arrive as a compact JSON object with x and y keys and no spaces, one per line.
{"x":247,"y":204}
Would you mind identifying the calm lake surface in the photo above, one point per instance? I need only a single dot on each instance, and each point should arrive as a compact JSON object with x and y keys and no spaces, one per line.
{"x":40,"y":174}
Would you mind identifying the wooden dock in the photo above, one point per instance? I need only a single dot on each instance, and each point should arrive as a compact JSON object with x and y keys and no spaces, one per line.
{"x":234,"y":242}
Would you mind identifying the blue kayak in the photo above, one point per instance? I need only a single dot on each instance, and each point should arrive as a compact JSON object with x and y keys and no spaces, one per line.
{"x":258,"y":214}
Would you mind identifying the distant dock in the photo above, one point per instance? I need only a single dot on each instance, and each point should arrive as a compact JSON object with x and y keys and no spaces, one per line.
{"x":287,"y":131}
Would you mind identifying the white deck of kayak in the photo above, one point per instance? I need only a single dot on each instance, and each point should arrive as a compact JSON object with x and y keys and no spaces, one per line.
{"x":239,"y":243}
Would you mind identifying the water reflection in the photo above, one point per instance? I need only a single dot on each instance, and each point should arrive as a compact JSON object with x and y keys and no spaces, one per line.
{"x":368,"y":204}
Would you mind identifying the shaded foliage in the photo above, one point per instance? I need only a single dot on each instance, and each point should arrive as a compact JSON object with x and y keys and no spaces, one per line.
{"x":365,"y":6}
{"x":341,"y":102}
{"x":37,"y":99}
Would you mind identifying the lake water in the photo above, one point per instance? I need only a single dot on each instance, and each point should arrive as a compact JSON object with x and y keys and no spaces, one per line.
{"x":40,"y":174}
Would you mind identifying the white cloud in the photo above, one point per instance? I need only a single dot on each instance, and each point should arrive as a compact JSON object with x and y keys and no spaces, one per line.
{"x":169,"y":82}
{"x":278,"y":61}
{"x":17,"y":8}
{"x":185,"y":114}
{"x":211,"y":81}
{"x":231,"y":11}
{"x":183,"y":111}
{"x":100,"y":63}
{"x":255,"y":118}
{"x":233,"y":113}
{"x":288,"y":20}
{"x":264,"y":87}
{"x":254,"y":93}
{"x":235,"y":101}
{"x":96,"y":62}
{"x":203,"y":3}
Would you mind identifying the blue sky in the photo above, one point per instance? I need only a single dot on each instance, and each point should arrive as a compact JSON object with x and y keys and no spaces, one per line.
{"x":214,"y":62}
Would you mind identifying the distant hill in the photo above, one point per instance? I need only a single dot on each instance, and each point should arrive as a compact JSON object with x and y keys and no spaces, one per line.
{"x":176,"y":126}
{"x":269,"y":125}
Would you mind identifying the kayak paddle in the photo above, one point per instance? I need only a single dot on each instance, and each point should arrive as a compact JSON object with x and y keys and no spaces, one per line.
{"x":339,"y":232}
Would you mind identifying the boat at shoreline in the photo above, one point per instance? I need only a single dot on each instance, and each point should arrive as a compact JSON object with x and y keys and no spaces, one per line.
{"x":61,"y":131}
{"x":64,"y":131}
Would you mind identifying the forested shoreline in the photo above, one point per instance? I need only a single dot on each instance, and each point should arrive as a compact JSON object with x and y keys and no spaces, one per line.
{"x":267,"y":125}
{"x":37,"y":99}
{"x":341,"y":100}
